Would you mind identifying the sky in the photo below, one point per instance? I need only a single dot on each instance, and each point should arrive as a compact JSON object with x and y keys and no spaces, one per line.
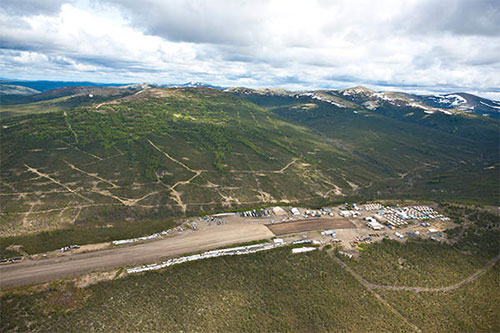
{"x":418,"y":46}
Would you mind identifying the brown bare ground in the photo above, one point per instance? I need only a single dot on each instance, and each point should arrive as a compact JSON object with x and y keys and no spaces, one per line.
{"x":309,"y":225}
{"x":72,"y":266}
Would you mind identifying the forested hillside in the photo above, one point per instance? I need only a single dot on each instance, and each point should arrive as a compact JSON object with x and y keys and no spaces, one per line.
{"x":151,"y":153}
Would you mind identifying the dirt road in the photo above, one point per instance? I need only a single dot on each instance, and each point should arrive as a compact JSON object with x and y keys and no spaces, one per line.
{"x":190,"y":241}
{"x":371,"y":285}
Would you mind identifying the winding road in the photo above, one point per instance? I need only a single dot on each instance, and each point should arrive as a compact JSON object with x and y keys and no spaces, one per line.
{"x":371,"y":285}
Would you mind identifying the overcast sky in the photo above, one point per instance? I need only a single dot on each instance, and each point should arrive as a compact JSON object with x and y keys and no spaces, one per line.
{"x":415,"y":45}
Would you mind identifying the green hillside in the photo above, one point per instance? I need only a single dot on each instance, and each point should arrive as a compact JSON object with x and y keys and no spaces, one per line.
{"x":64,"y":98}
{"x":162,"y":153}
{"x":12,"y":89}
{"x":434,"y":156}
{"x":275,"y":291}
{"x":166,"y":152}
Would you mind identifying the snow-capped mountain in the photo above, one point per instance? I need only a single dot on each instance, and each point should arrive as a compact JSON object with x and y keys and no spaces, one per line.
{"x":464,"y":102}
{"x":193,"y":85}
{"x":449,"y":104}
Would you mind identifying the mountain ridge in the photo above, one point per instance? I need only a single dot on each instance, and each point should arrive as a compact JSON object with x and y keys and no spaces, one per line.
{"x":154,"y":151}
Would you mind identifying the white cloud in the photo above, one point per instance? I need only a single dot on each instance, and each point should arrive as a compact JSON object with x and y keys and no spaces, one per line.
{"x":417,"y":45}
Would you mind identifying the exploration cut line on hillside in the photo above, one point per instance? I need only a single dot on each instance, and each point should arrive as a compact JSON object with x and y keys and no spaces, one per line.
{"x":173,"y":159}
{"x":282,"y":170}
{"x":184,"y":182}
{"x":125,"y":201}
{"x":93,"y":175}
{"x":174,"y":194}
{"x":85,"y":152}
{"x":104,"y":159}
{"x":62,"y":208}
{"x":69,"y":126}
{"x":56,"y":182}
{"x":25,"y":219}
{"x":76,"y":216}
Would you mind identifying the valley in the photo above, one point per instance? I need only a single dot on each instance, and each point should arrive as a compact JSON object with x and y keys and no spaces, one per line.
{"x":249,"y":166}
{"x":107,"y":199}
{"x":382,"y":280}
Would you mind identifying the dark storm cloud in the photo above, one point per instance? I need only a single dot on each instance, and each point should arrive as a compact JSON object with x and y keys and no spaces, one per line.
{"x":414,"y":44}
{"x":460,"y":17}
{"x":30,"y":7}
{"x":214,"y":22}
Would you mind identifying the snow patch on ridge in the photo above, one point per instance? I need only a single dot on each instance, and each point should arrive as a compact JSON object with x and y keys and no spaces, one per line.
{"x":319,"y":98}
{"x":451,"y":100}
{"x":415,"y":105}
{"x":490,"y":106}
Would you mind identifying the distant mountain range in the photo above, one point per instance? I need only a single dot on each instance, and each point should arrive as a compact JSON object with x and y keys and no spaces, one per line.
{"x":361,"y":96}
{"x":41,"y":86}
{"x":445,"y":103}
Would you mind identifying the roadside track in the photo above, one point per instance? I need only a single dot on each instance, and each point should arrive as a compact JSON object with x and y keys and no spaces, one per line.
{"x":371,"y":285}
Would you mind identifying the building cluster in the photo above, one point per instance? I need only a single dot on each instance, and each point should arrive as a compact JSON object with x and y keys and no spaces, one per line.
{"x":394,"y":216}
{"x":349,"y":213}
{"x":372,"y":206}
{"x":256,"y":213}
{"x":394,"y":219}
{"x":373,"y":223}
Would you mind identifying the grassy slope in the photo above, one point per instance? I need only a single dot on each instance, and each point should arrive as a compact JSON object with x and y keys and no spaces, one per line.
{"x":34,"y":107}
{"x":271,"y":291}
{"x":435,"y":157}
{"x":394,"y":263}
{"x":239,"y":147}
{"x":472,"y":308}
{"x":274,"y":291}
{"x":279,"y":291}
{"x":106,"y":156}
{"x":58,"y":99}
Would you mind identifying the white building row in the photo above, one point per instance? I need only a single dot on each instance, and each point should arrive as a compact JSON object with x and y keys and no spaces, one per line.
{"x":209,"y":254}
{"x":373,"y":206}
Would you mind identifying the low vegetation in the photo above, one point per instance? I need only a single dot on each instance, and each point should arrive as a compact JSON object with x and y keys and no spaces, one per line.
{"x":471,"y":308}
{"x":415,"y":264}
{"x":428,"y":263}
{"x":478,"y":231}
{"x":178,"y":152}
{"x":269,"y":291}
{"x":272,"y":291}
{"x":52,"y":240}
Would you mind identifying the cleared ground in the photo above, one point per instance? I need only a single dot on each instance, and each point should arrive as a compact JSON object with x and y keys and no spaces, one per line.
{"x":214,"y":236}
{"x":309,"y":225}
